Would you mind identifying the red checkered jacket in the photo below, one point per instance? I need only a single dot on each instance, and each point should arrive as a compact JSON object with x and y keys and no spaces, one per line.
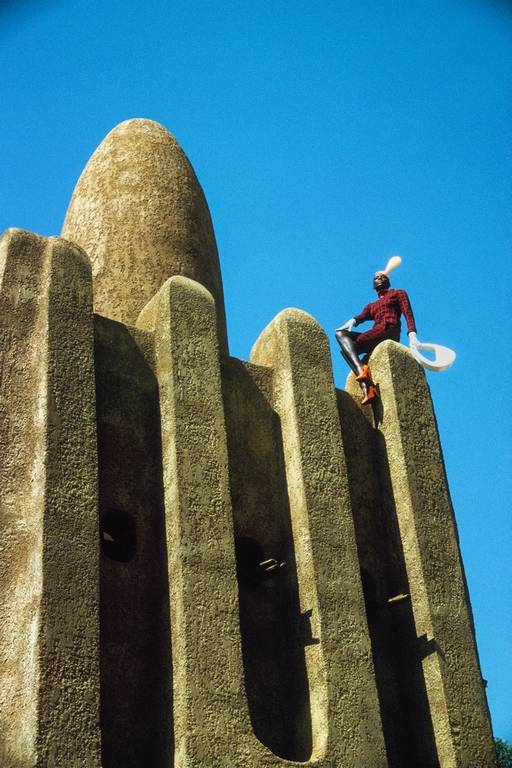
{"x":386,"y":311}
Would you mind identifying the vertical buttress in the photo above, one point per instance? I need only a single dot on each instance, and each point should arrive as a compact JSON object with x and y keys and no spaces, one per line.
{"x":445,"y":641}
{"x":345,"y":714}
{"x":49,"y":660}
{"x":210,"y":711}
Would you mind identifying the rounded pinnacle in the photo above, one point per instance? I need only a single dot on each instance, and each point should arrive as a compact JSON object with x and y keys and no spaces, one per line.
{"x":139,"y":212}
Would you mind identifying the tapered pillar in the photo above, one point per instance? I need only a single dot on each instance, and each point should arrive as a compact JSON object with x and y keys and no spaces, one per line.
{"x":49,"y":670}
{"x":442,"y":613}
{"x":211,"y":719}
{"x":344,"y":705}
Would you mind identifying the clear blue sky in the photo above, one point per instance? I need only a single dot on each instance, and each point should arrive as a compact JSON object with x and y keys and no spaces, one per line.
{"x":327,"y":136}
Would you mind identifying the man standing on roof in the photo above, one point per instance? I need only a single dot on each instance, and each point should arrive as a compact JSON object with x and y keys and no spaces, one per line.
{"x":386,"y":313}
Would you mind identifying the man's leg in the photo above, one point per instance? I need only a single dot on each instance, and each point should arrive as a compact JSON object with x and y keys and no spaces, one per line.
{"x":346,"y":340}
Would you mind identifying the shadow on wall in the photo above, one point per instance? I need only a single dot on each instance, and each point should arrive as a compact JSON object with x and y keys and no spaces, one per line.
{"x":273,"y":631}
{"x":397,"y":651}
{"x":136,"y":674}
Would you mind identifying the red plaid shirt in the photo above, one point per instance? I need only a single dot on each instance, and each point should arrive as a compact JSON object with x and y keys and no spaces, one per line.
{"x":386,"y":311}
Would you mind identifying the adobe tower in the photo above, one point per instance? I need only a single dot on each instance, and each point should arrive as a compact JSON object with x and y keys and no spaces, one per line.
{"x":206,"y":562}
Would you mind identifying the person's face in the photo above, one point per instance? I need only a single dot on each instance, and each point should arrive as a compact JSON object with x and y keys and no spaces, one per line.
{"x":380,"y":281}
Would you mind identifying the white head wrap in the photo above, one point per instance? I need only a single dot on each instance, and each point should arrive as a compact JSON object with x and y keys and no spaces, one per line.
{"x":394,"y":262}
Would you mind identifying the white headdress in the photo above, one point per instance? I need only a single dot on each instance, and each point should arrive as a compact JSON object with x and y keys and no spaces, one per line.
{"x":393,"y":262}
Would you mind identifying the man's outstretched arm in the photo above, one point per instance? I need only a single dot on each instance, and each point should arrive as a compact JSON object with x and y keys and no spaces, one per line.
{"x":405,"y":306}
{"x":363,"y":315}
{"x":356,"y":320}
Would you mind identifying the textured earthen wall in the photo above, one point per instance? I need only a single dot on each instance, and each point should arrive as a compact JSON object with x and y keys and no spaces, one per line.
{"x":406,"y":719}
{"x":274,"y":632}
{"x":445,"y":641}
{"x":212,"y":718}
{"x":139,"y":212}
{"x":49,"y":606}
{"x":346,"y":725}
{"x":136,"y":680}
{"x":145,"y":475}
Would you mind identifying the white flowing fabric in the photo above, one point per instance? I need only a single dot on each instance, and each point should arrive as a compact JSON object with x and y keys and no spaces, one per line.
{"x":444,"y":357}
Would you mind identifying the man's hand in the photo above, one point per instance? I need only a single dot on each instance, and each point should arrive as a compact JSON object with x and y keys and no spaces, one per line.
{"x":347,"y":326}
{"x":414,"y":342}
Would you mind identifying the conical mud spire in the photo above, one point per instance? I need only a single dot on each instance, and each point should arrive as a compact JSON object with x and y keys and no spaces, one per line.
{"x":139,"y":212}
